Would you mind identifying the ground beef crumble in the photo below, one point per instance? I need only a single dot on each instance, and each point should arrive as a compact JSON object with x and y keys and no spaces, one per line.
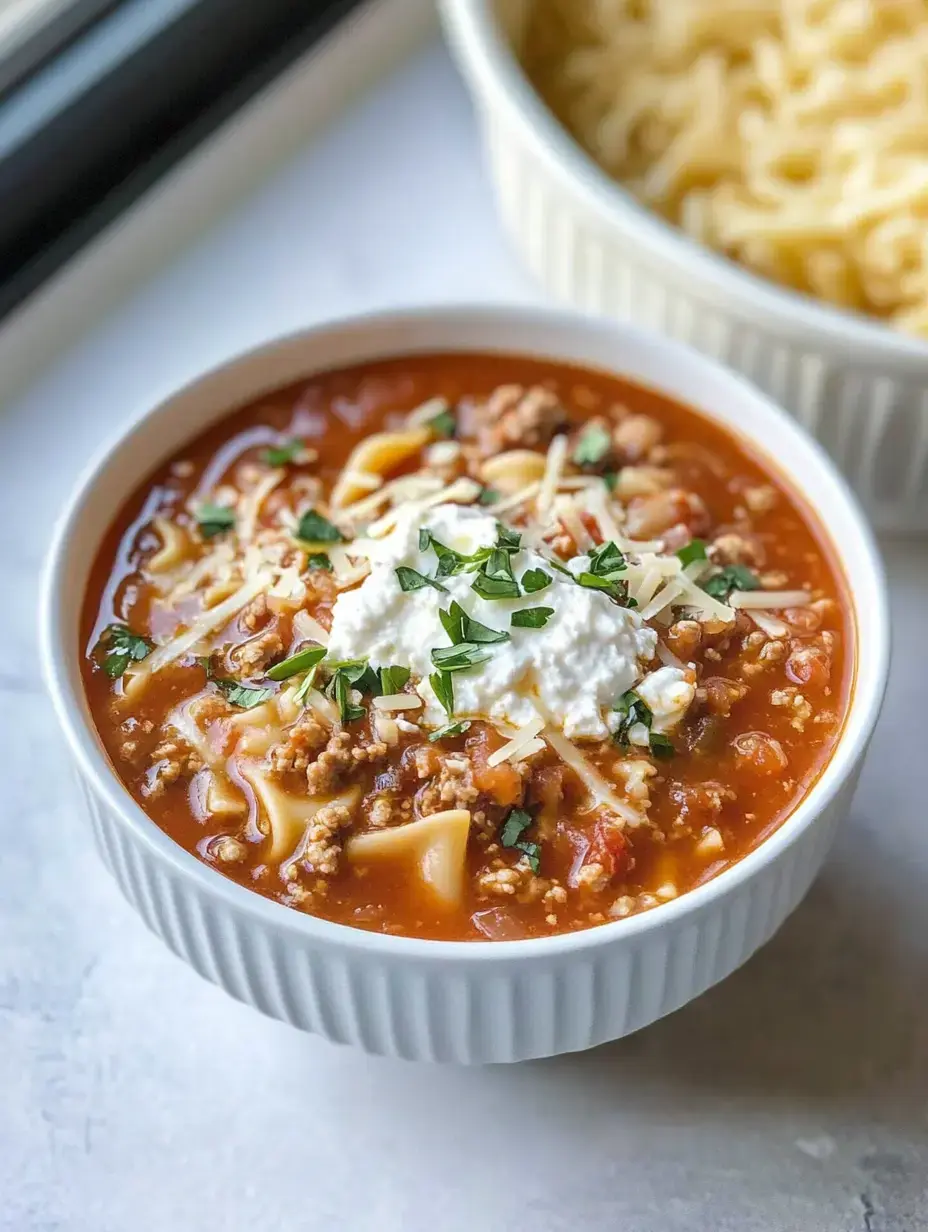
{"x":514,"y":416}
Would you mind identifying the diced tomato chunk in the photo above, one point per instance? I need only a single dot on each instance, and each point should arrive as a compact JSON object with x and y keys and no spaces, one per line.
{"x":502,"y":783}
{"x":610,"y":849}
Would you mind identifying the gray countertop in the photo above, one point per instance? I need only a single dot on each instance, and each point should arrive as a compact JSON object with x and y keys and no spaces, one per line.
{"x":134,"y":1095}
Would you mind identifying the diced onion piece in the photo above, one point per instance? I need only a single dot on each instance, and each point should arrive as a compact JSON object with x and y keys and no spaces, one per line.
{"x":768,"y":623}
{"x":322,"y":705}
{"x":386,"y":729}
{"x":771,"y":599}
{"x":398,"y":701}
{"x":437,"y":844}
{"x":601,"y":791}
{"x":522,"y":737}
{"x":309,"y":629}
{"x":554,"y":466}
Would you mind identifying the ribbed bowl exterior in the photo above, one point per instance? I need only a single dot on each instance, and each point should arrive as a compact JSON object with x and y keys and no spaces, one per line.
{"x":867,"y":409}
{"x":466,"y":1012}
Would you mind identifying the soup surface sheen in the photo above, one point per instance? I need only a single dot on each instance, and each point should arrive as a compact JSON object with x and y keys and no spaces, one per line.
{"x":466,"y":647}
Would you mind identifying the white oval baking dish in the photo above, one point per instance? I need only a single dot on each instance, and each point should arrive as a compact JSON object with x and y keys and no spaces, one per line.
{"x":857,"y":386}
{"x":448,"y":1001}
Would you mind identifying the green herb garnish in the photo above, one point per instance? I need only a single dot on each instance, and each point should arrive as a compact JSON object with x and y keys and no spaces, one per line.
{"x":281,"y":455}
{"x":459,"y":658}
{"x":463,"y":628}
{"x":594,"y":444}
{"x":732,"y":577}
{"x":489,"y":496}
{"x":495,"y":588}
{"x":510,"y":836}
{"x":606,"y":560}
{"x":633,"y":709}
{"x":610,"y":479}
{"x":120,"y":647}
{"x":319,"y":560}
{"x":507,"y":540}
{"x":444,"y":424}
{"x":314,"y":528}
{"x":691,"y":552}
{"x":238,"y":694}
{"x":453,"y":729}
{"x":661,"y":746}
{"x":348,"y":674}
{"x":303,"y":691}
{"x":302,"y":661}
{"x":531,"y":617}
{"x":393,"y":679}
{"x":412,"y":579}
{"x":443,"y":687}
{"x":534,"y":580}
{"x":214,"y":520}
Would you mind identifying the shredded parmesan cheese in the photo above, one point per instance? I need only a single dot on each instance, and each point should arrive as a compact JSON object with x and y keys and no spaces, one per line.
{"x":425,"y":413}
{"x":768,"y":623}
{"x":601,"y":791}
{"x":308,"y":628}
{"x":462,"y":492}
{"x":398,"y":701}
{"x":252,"y":502}
{"x":206,"y":622}
{"x":769,"y":598}
{"x":554,"y":466}
{"x":523,"y":737}
{"x":565,"y":510}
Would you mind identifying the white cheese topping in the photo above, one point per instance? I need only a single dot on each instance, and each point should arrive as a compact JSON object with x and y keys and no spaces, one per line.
{"x":668,"y":693}
{"x":573,"y":668}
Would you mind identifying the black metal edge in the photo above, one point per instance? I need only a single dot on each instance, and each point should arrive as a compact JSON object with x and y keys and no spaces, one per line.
{"x":135,"y":118}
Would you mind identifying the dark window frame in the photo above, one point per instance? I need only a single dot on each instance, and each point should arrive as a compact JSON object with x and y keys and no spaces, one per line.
{"x":117,"y":101}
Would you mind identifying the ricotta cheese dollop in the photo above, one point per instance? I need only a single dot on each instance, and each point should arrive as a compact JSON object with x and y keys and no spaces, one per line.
{"x":571,"y":671}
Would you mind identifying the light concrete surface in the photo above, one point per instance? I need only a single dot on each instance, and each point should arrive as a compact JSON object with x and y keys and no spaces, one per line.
{"x":135,"y":1096}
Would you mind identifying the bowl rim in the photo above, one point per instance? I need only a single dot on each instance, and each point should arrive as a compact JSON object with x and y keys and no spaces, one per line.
{"x":867,"y":690}
{"x":484,"y":52}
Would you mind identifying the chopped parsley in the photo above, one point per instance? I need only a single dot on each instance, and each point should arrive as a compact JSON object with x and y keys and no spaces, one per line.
{"x":463,"y":628}
{"x":507,"y":540}
{"x":238,"y":694}
{"x":531,"y":617}
{"x":302,"y":661}
{"x":732,"y":577}
{"x":606,"y":560}
{"x":120,"y":647}
{"x":314,"y":528}
{"x":346,"y":675}
{"x":594,"y":445}
{"x":444,"y":424}
{"x":661,"y":746}
{"x":495,"y":588}
{"x":319,"y":560}
{"x":534,"y":580}
{"x":393,"y":679}
{"x":633,"y":709}
{"x":452,"y":729}
{"x":488,"y":496}
{"x":691,"y":552}
{"x":282,"y":455}
{"x":442,"y":683}
{"x":303,"y":691}
{"x":459,"y":658}
{"x":510,"y":836}
{"x":214,"y":520}
{"x":606,"y":564}
{"x":412,"y":579}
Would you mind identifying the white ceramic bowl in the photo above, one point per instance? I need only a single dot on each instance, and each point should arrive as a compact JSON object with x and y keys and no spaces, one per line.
{"x":452,"y":1001}
{"x":857,"y":386}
